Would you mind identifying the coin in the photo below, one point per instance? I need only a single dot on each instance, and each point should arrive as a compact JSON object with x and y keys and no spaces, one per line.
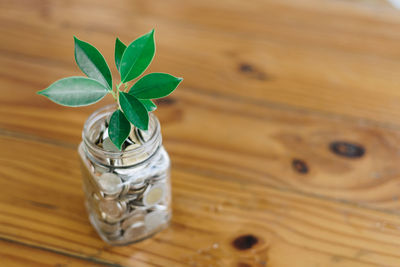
{"x":110,"y":183}
{"x":109,"y":219}
{"x":113,"y":236}
{"x":107,"y":231}
{"x":154,"y":219}
{"x":137,"y":188}
{"x":131,"y":190}
{"x":112,"y":208}
{"x":162,"y":206}
{"x":137,"y":216}
{"x":153,"y":195}
{"x":109,"y":228}
{"x":132,"y":196}
{"x":135,"y":231}
{"x":134,"y":159}
{"x":125,"y":190}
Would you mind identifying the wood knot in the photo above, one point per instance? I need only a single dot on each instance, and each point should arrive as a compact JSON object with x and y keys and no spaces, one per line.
{"x":252,"y":72}
{"x":346,"y":149}
{"x":243,"y":264}
{"x":244,"y":242}
{"x":300,"y":166}
{"x":245,"y":67}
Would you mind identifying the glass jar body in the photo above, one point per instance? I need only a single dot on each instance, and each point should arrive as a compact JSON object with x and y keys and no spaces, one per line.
{"x":127,"y":194}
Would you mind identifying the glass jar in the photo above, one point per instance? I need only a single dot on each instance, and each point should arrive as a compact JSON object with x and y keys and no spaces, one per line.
{"x":128,"y":193}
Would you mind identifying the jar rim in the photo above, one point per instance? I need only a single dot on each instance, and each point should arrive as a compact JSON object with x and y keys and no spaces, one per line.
{"x":100,"y":113}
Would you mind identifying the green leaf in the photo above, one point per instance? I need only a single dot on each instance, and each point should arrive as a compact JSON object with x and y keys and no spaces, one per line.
{"x":119,"y":128}
{"x":92,"y":63}
{"x":137,"y":57}
{"x":75,"y":91}
{"x":154,"y":85}
{"x":134,"y":110}
{"x":148,"y":104}
{"x":119,"y":51}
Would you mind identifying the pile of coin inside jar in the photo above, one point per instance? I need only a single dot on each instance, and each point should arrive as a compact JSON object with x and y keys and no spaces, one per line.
{"x":128,"y":199}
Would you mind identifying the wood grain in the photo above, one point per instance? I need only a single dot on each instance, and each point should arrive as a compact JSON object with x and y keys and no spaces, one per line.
{"x":346,"y":63}
{"x":13,"y":253}
{"x":42,"y":206}
{"x":284,"y":135}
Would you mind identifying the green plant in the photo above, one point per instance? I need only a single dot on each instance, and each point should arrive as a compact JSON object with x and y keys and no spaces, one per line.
{"x":134,"y":103}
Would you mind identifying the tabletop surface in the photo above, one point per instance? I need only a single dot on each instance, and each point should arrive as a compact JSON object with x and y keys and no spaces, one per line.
{"x":284,"y":136}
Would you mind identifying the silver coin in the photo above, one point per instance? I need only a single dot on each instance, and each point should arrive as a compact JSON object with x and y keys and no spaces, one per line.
{"x":134,"y":159}
{"x":135,"y":231}
{"x":154,"y":219}
{"x":113,"y":236}
{"x":110,"y":183}
{"x":132,"y":191}
{"x":154,"y":194}
{"x":107,"y":231}
{"x":109,"y":228}
{"x":162,"y":206}
{"x":137,"y":188}
{"x":136,"y":203}
{"x":112,"y":208}
{"x":134,"y":194}
{"x":136,"y":217}
{"x":109,"y":219}
{"x":125,"y":191}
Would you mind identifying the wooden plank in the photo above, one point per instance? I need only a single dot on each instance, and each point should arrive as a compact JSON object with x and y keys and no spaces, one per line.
{"x":220,"y":218}
{"x":252,"y":167}
{"x":346,"y":64}
{"x":18,"y":254}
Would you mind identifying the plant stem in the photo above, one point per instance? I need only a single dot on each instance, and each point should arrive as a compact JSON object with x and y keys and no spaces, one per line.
{"x":115,"y":93}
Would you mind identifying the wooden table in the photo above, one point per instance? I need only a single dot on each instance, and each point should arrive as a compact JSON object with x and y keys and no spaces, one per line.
{"x":284,"y":135}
